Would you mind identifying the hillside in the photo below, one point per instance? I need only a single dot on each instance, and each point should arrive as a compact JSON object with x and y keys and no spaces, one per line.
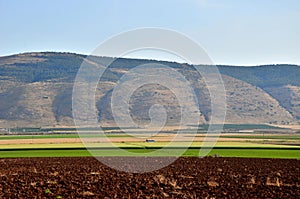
{"x":36,"y":90}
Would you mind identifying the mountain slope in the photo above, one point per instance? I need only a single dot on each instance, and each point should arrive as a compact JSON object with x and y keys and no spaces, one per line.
{"x":36,"y":90}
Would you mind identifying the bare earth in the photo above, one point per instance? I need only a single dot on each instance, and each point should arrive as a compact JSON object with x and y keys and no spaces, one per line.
{"x":185,"y":178}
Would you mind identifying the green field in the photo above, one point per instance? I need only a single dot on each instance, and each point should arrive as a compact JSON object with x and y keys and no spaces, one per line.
{"x":281,"y":137}
{"x":14,"y":137}
{"x":241,"y":145}
{"x":253,"y":153}
{"x":224,"y":149}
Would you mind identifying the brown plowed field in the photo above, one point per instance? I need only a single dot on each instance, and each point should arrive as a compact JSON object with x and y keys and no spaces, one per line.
{"x":185,"y":178}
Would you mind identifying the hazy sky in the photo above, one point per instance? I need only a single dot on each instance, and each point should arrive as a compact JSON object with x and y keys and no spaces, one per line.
{"x":239,"y":32}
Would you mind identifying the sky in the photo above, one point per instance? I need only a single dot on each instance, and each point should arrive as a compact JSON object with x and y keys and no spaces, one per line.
{"x":236,"y":32}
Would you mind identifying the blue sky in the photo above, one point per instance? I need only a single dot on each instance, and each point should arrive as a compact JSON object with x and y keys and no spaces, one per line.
{"x":238,"y":32}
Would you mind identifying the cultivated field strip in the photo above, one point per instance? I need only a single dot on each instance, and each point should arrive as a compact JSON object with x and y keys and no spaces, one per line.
{"x":185,"y":178}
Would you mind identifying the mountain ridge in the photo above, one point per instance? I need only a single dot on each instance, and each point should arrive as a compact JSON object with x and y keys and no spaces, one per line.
{"x":35,"y":90}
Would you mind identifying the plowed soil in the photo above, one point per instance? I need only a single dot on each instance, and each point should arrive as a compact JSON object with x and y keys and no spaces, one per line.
{"x":186,"y":178}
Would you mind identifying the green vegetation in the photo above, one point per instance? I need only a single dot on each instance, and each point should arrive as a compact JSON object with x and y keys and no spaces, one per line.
{"x":47,"y":191}
{"x":265,"y":76}
{"x":52,"y":136}
{"x":278,"y":145}
{"x":16,"y":137}
{"x":52,"y":65}
{"x":241,"y":144}
{"x":44,"y":153}
{"x":242,"y":126}
{"x":253,"y":153}
{"x":24,"y":130}
{"x":294,"y":137}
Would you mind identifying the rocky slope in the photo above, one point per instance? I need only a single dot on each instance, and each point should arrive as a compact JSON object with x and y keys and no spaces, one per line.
{"x":36,"y":90}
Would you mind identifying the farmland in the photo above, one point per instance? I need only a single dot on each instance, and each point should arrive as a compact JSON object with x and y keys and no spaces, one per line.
{"x":252,"y":141}
{"x":187,"y":177}
{"x":58,"y":164}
